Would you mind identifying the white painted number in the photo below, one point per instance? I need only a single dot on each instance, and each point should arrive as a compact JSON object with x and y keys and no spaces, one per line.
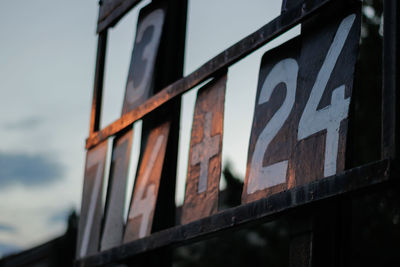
{"x":329,"y":118}
{"x":283,"y":72}
{"x":113,"y":226}
{"x":144,"y":206}
{"x":204,"y":151}
{"x":94,"y":158}
{"x":312,"y":120}
{"x":155,"y":19}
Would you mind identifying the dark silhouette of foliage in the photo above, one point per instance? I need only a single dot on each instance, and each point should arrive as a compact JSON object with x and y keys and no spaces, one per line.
{"x":365,"y":113}
{"x":262,"y":245}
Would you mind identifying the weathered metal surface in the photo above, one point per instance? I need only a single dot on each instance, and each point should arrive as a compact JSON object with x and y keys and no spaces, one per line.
{"x":98,"y":84}
{"x":172,"y":49}
{"x":300,"y":250}
{"x":141,"y":212}
{"x":305,"y":155}
{"x":111,"y":11}
{"x":92,"y":208}
{"x":140,"y":84}
{"x":289,"y":4}
{"x":204,"y":167}
{"x":116,"y":193}
{"x":236,"y":52}
{"x":266,"y":209}
{"x":302,"y":103}
{"x":391,"y":83}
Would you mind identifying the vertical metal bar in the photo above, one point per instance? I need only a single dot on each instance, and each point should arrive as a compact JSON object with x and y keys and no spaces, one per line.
{"x":315,"y":236}
{"x":283,"y":8}
{"x":301,"y":224}
{"x":326,"y":249}
{"x":172,"y":48}
{"x":301,"y":240}
{"x":98,"y":83}
{"x":390,"y":114}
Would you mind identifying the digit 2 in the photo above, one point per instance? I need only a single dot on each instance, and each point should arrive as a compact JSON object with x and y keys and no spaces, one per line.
{"x":312,"y":120}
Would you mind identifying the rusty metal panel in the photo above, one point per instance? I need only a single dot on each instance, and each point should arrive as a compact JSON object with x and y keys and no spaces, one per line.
{"x":204,"y":167}
{"x":301,"y":113}
{"x":116,"y":192}
{"x":107,"y":7}
{"x":111,"y":11}
{"x":140,"y":217}
{"x":139,"y":86}
{"x":223,"y":60}
{"x":361,"y":179}
{"x":92,"y":208}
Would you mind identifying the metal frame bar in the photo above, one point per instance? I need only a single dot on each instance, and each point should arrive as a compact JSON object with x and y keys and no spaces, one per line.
{"x":110,"y":15}
{"x":230,"y":56}
{"x":267,"y":209}
{"x":98,"y":83}
{"x":357,"y":179}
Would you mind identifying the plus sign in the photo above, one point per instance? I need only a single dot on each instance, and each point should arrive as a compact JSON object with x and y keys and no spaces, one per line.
{"x":204,"y":151}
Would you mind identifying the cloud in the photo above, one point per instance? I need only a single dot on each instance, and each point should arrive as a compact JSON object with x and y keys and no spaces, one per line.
{"x":7,"y":228}
{"x":28,"y":170}
{"x":7,"y":249}
{"x":24,"y":124}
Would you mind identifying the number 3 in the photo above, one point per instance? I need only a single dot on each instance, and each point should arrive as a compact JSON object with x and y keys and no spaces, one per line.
{"x":135,"y":91}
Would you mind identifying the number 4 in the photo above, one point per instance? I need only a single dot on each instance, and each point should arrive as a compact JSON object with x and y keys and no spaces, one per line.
{"x":329,"y":117}
{"x":312,"y":120}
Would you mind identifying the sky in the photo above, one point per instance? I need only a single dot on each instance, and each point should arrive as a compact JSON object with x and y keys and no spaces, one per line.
{"x":47,"y":60}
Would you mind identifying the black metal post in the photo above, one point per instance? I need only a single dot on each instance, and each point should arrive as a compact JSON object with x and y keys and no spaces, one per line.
{"x":390,"y":95}
{"x":169,"y":68}
{"x":98,"y":83}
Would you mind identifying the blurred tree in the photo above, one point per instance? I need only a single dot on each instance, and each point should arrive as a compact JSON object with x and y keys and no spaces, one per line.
{"x":365,"y":118}
{"x":263,"y":245}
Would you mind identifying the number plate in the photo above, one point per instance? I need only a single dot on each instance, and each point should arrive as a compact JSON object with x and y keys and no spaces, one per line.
{"x":139,"y":86}
{"x":301,"y":112}
{"x":92,"y":208}
{"x":114,"y":211}
{"x":204,"y":168}
{"x":141,"y":212}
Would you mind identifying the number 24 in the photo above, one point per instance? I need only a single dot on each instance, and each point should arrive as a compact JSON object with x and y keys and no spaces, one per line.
{"x":311,"y":121}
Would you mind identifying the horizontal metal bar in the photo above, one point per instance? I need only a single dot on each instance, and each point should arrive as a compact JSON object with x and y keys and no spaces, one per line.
{"x":228,"y":57}
{"x":259,"y":211}
{"x":111,"y":11}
